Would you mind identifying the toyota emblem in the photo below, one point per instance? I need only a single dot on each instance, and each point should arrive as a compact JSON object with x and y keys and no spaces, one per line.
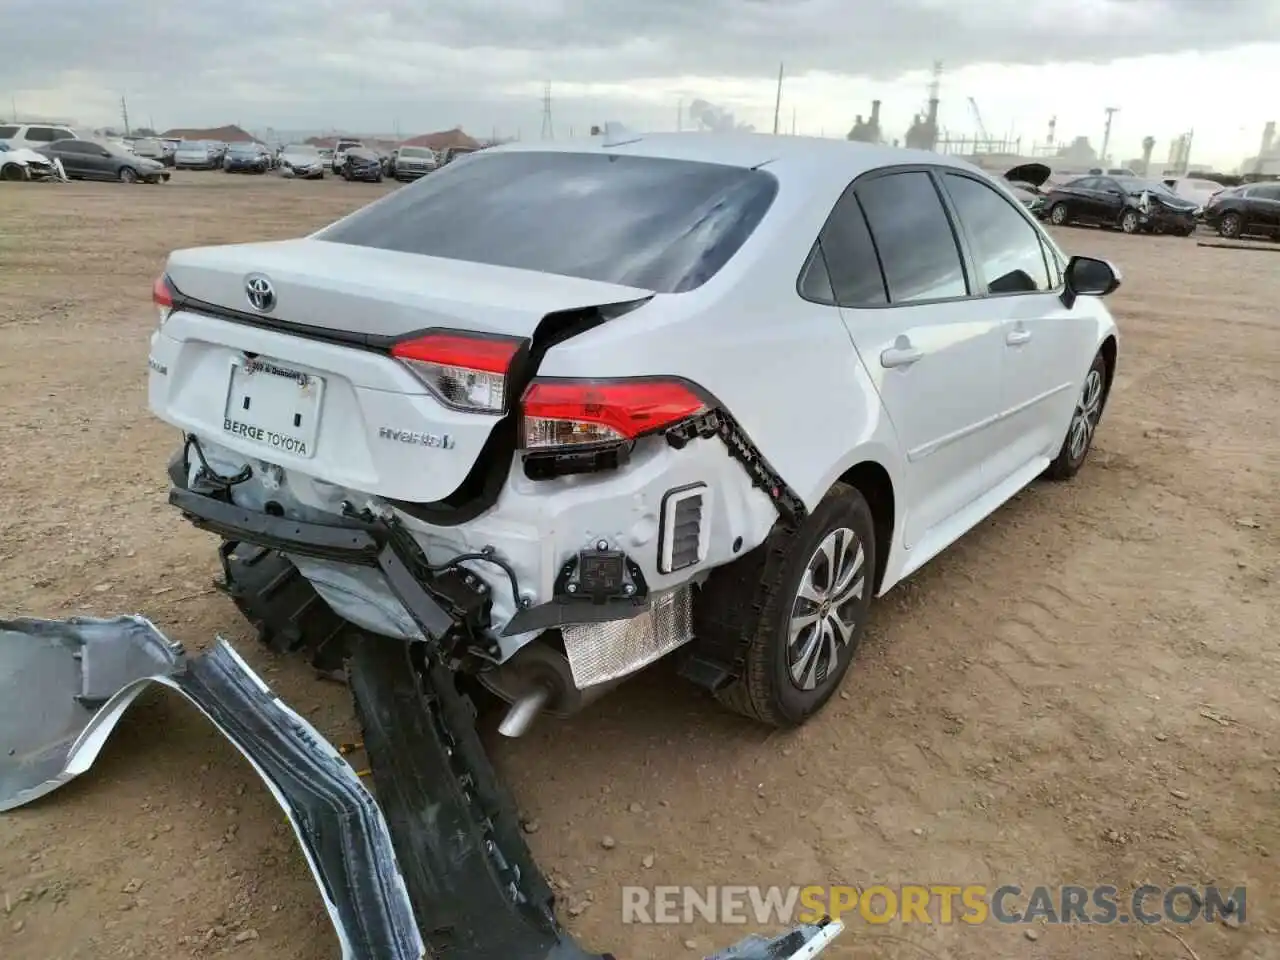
{"x":261,"y":294}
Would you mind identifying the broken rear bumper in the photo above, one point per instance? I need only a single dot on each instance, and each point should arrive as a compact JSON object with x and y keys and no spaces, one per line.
{"x":440,"y":866}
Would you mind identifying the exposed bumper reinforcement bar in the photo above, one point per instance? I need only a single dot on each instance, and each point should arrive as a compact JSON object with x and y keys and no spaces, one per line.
{"x":352,"y":541}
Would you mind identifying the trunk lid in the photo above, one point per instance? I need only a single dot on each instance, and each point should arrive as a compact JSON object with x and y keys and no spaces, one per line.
{"x":380,"y":293}
{"x":317,"y":403}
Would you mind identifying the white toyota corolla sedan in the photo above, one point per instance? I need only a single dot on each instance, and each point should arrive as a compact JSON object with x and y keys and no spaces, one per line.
{"x":561,"y":409}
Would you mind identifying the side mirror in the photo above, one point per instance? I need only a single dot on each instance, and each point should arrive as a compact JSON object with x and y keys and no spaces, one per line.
{"x":1089,"y":277}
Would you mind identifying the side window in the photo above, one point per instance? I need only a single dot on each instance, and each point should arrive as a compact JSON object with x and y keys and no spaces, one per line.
{"x":913,"y":237}
{"x":852,"y":266}
{"x":1269,"y":191}
{"x":62,"y":133}
{"x":42,"y":134}
{"x":7,"y":132}
{"x":73,"y":146}
{"x":815,"y":282}
{"x":1006,"y":247}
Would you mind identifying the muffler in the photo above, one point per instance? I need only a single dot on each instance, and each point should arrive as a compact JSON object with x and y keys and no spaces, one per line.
{"x":538,"y":679}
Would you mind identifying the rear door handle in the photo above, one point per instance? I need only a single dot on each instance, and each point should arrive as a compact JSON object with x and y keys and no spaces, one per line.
{"x":900,"y":356}
{"x":1017,"y":337}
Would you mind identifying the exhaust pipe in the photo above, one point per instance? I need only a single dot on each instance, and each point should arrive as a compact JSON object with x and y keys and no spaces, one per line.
{"x":524,"y":711}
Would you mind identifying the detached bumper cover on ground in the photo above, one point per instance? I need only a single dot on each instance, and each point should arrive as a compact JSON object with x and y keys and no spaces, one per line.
{"x":65,"y":684}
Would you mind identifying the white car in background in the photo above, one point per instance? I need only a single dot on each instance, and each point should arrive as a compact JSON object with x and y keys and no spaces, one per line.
{"x":565,"y":408}
{"x":302,"y":160}
{"x":1195,"y":189}
{"x":33,"y":136}
{"x":196,"y":155}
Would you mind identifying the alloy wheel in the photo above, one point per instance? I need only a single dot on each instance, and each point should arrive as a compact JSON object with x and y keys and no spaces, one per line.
{"x":1058,"y":215}
{"x":1129,"y":222}
{"x":823,"y":620}
{"x":1086,"y":416}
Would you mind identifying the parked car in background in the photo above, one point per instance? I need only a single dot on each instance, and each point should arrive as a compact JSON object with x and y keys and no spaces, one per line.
{"x":1026,"y":181}
{"x":219,"y":151}
{"x":1251,"y":209}
{"x":152,"y":148}
{"x":410,"y":163}
{"x":326,"y":154}
{"x":301,"y":160}
{"x":1131,"y":204}
{"x":196,"y":155}
{"x":1112,"y":172}
{"x":99,"y":160}
{"x":1195,"y":189}
{"x":33,"y":136}
{"x":23,"y":163}
{"x":340,"y":152}
{"x":361,"y":163}
{"x":449,"y":154}
{"x":246,"y":158}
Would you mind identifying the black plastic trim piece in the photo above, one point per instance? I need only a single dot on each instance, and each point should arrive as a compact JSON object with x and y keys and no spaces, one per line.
{"x":476,"y":891}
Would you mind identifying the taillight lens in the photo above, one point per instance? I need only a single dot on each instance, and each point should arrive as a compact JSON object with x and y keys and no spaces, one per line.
{"x":465,"y":372}
{"x":162,"y":297}
{"x":568,"y":413}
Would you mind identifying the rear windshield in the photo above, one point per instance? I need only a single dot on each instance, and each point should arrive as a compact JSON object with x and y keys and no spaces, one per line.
{"x":413,"y":152}
{"x":658,"y":224}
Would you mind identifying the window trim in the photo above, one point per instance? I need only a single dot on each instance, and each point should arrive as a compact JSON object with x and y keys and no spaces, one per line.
{"x":1052,"y":273}
{"x":961,"y":242}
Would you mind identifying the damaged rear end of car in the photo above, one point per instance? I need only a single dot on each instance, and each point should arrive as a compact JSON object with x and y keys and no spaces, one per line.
{"x":366,"y":404}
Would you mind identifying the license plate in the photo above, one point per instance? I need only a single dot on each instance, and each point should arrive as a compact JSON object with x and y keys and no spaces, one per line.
{"x":273,"y":406}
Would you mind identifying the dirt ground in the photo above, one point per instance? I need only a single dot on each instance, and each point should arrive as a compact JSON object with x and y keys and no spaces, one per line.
{"x":1085,"y":690}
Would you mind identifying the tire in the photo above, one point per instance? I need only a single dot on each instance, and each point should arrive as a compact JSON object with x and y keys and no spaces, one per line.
{"x":14,"y":172}
{"x":282,"y":606}
{"x":783,"y":683}
{"x":128,"y":175}
{"x":1231,"y":226}
{"x":1084,"y":423}
{"x":1059,"y":215}
{"x":1129,"y":221}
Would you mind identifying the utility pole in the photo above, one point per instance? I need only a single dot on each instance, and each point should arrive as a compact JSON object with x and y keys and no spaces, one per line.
{"x":13,"y":102}
{"x":680,"y":116}
{"x":124,"y":115}
{"x":777,"y":103}
{"x":1106,"y":136}
{"x":793,"y":121}
{"x":548,"y":130}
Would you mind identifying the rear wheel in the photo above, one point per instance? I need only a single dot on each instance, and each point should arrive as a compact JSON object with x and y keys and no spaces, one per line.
{"x":1059,"y":215}
{"x":812,"y":589}
{"x":1231,"y":226}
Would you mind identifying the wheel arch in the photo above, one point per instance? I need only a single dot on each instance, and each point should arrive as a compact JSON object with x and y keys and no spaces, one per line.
{"x":872,"y":480}
{"x":1110,"y":350}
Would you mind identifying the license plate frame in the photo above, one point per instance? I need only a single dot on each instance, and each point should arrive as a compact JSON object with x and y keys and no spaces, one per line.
{"x":273,"y":406}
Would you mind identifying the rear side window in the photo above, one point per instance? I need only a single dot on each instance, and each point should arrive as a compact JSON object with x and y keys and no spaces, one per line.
{"x":850,"y":257}
{"x":1269,"y":191}
{"x":7,"y":132}
{"x":655,"y":223}
{"x":913,"y":236}
{"x":45,"y":134}
{"x":1006,"y":247}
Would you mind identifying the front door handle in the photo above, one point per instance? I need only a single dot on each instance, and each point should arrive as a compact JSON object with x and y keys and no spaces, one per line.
{"x":900,"y":356}
{"x":1017,"y":337}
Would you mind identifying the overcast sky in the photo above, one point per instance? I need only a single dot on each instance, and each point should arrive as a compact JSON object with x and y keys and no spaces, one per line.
{"x":1169,"y":65}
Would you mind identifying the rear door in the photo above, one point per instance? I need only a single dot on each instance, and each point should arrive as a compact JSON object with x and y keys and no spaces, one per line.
{"x":899,"y":276}
{"x":1045,"y":348}
{"x":1264,"y":204}
{"x":74,"y":157}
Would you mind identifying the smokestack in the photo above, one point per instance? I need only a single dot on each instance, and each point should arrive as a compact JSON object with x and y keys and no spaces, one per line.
{"x":875,"y":113}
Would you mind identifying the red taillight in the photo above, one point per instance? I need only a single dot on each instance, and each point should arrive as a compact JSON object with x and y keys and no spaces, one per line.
{"x":466,"y":372}
{"x":571,"y":413}
{"x":162,"y":297}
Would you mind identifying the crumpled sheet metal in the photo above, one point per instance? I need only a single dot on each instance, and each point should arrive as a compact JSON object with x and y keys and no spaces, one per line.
{"x":64,"y":686}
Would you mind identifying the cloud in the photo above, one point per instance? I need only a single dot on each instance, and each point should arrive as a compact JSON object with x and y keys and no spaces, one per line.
{"x":286,"y":60}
